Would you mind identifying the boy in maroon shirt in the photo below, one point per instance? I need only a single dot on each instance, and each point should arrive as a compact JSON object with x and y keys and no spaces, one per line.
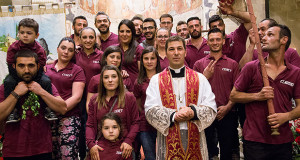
{"x":28,"y":31}
{"x":284,"y":85}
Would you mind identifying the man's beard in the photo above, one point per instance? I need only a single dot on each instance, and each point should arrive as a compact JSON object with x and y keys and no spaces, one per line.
{"x":27,"y":80}
{"x":196,"y":36}
{"x":104,"y":32}
{"x":76,"y":33}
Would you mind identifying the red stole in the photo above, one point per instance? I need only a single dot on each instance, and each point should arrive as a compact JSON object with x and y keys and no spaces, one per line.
{"x":173,"y":140}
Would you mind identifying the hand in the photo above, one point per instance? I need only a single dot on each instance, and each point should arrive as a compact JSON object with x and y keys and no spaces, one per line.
{"x":226,"y":7}
{"x":251,"y":36}
{"x":265,"y":93}
{"x":21,"y":88}
{"x":222,"y":112}
{"x":184,"y":114}
{"x":209,"y":69}
{"x":35,"y":88}
{"x":124,"y":74}
{"x":126,"y":150}
{"x":277,"y":119}
{"x":94,"y":152}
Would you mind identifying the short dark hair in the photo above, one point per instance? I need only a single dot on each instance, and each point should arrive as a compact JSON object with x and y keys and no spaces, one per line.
{"x":175,"y":38}
{"x":137,"y":18}
{"x":102,"y":13}
{"x":214,"y":30}
{"x":69,"y":39}
{"x":112,"y":116}
{"x":272,"y":22}
{"x":165,"y":16}
{"x":26,"y":53}
{"x":194,"y":18}
{"x":181,"y":22}
{"x":285,"y":31}
{"x":30,"y":23}
{"x":107,"y":52}
{"x":78,"y":17}
{"x":150,"y":20}
{"x":214,"y":18}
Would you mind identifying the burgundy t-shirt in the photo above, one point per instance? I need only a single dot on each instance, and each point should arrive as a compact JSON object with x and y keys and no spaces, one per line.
{"x":19,"y":45}
{"x":89,"y":63}
{"x":140,"y":92}
{"x":225,"y":74}
{"x":129,"y":116}
{"x":28,"y":137}
{"x":193,"y":54}
{"x":286,"y":86}
{"x":63,"y":80}
{"x":291,"y":55}
{"x":164,"y":63}
{"x":235,"y":43}
{"x":111,"y":40}
{"x":94,"y":83}
{"x":132,"y":68}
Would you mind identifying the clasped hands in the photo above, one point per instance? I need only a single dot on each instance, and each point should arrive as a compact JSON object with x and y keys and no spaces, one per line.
{"x":184,"y":114}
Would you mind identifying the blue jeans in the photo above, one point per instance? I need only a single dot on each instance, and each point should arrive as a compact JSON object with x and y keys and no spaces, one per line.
{"x":148,"y":141}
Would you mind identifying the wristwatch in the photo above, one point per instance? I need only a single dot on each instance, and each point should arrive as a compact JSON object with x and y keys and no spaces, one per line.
{"x":15,"y":94}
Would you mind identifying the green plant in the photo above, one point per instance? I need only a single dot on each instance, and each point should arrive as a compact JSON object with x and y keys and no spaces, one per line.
{"x":31,"y":102}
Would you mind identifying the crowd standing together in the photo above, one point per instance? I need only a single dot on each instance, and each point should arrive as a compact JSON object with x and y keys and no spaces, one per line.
{"x":146,"y":90}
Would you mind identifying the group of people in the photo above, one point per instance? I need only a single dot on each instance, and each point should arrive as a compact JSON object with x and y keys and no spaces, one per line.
{"x":175,"y":95}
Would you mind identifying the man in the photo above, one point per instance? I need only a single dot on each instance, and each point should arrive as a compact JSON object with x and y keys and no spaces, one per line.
{"x":30,"y":138}
{"x":149,"y":31}
{"x":166,"y":21}
{"x":221,"y":73}
{"x":291,"y":55}
{"x":235,"y":42}
{"x":182,"y":30}
{"x":138,"y":25}
{"x":79,"y":23}
{"x":106,"y":38}
{"x":179,"y":121}
{"x":284,"y":85}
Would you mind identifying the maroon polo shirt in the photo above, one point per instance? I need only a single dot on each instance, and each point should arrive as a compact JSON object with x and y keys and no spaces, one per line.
{"x":291,"y":55}
{"x":164,"y":63}
{"x":140,"y":93}
{"x":28,"y":137}
{"x":94,"y":83}
{"x":193,"y":54}
{"x":225,"y":74}
{"x":129,"y":116}
{"x":132,"y":68}
{"x":89,"y":63}
{"x":286,"y":86}
{"x":235,"y":43}
{"x":19,"y":45}
{"x":111,"y":40}
{"x":141,"y":39}
{"x":63,"y":80}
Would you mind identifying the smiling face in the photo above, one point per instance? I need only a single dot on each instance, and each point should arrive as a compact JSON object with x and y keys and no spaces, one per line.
{"x":125,"y":34}
{"x":102,"y":23}
{"x":138,"y":25}
{"x":215,"y":42}
{"x":218,"y":24}
{"x":110,"y":80}
{"x":79,"y":25}
{"x":176,"y":54}
{"x":110,"y":130}
{"x":182,"y":31}
{"x":161,"y":38}
{"x":114,"y":58}
{"x":88,"y":38}
{"x":27,"y":34}
{"x":65,"y":51}
{"x":149,"y":30}
{"x":150,"y":61}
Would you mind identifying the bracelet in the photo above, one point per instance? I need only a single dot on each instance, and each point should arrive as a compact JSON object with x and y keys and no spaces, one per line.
{"x":15,"y":94}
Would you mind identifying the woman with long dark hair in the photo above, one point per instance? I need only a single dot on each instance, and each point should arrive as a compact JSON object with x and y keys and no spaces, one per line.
{"x":111,"y":97}
{"x":131,"y":50}
{"x":149,"y":66}
{"x":69,"y":79}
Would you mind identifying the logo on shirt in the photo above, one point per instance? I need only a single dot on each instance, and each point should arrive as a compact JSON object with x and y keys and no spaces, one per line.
{"x":287,"y":83}
{"x":67,"y":75}
{"x":96,"y":61}
{"x":206,"y":52}
{"x":119,"y":152}
{"x":231,"y":44}
{"x":118,"y":111}
{"x":226,"y":69}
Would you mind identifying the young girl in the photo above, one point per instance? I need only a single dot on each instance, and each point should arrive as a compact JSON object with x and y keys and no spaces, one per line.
{"x":150,"y":65}
{"x":110,"y":142}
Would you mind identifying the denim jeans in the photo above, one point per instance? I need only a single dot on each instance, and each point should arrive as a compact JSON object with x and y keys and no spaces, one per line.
{"x":148,"y":141}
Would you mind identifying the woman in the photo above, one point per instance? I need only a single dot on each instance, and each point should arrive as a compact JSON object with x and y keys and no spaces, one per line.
{"x":131,"y":50}
{"x":111,"y":56}
{"x":111,"y":97}
{"x":69,"y":79}
{"x":149,"y":66}
{"x":162,"y":35}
